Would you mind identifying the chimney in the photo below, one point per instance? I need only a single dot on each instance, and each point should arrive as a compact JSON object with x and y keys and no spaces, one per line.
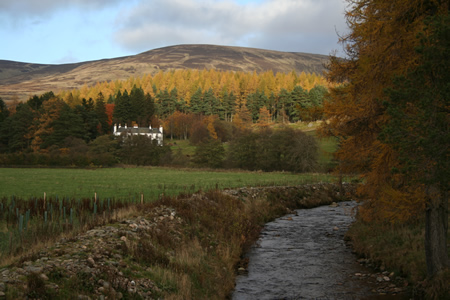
{"x":160,"y":129}
{"x":115,"y":128}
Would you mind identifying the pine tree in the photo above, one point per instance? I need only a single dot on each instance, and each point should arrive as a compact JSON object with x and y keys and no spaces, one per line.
{"x":283,"y":106}
{"x":211,"y":105}
{"x":167,"y":103}
{"x":66,"y":124}
{"x":196,"y":103}
{"x":149,"y":110}
{"x":122,"y":109}
{"x":302,"y":103}
{"x":4,"y":112}
{"x":229,"y":105}
{"x":15,"y":129}
{"x":102,"y":117}
{"x":137,"y":105}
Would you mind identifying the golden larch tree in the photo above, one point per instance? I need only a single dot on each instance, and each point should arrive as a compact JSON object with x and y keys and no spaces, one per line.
{"x":380,"y":46}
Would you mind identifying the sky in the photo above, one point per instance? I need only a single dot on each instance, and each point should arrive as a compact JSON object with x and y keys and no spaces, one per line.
{"x":69,"y":31}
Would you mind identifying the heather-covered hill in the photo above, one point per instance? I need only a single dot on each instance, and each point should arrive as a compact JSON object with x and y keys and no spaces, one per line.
{"x":26,"y":79}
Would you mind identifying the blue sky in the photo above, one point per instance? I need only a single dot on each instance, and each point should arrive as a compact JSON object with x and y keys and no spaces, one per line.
{"x":66,"y":31}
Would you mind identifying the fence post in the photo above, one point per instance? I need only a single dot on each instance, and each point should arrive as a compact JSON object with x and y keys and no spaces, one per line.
{"x":20,"y":224}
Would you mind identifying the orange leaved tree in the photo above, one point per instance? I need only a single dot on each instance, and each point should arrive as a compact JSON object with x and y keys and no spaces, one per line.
{"x":381,"y":46}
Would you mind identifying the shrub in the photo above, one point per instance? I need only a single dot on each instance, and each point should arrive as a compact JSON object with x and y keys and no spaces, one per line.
{"x":209,"y":154}
{"x":199,"y":133}
{"x":243,"y":151}
{"x":141,"y":150}
{"x":285,"y":149}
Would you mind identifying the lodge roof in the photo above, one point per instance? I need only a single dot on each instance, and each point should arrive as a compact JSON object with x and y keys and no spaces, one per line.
{"x":138,"y":130}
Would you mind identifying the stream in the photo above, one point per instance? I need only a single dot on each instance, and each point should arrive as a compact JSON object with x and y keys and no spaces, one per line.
{"x":304,"y":256}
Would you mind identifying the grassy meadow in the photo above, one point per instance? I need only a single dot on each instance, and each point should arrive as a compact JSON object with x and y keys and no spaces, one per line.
{"x":27,"y":217}
{"x":131,"y":182}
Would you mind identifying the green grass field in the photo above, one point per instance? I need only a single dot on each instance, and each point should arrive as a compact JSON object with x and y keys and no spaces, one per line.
{"x":131,"y":182}
{"x":150,"y":181}
{"x":327,"y":146}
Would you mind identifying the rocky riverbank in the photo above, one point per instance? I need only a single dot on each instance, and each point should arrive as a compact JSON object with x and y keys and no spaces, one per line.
{"x":169,"y":249}
{"x":96,"y":263}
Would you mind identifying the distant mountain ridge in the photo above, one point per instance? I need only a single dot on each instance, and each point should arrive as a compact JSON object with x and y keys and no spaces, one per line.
{"x":26,"y":79}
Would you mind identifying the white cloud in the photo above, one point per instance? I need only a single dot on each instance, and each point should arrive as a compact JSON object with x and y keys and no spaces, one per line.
{"x":33,"y":7}
{"x":68,"y":58}
{"x":272,"y":24}
{"x":95,"y":29}
{"x":19,"y":13}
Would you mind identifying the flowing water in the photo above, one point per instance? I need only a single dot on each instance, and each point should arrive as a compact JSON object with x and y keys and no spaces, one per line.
{"x":304,"y":256}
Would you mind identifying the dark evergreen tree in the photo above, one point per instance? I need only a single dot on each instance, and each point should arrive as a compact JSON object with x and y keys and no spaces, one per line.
{"x":88,"y":104}
{"x":167,"y":103}
{"x":111,"y":99}
{"x":211,"y":105}
{"x":15,"y":130}
{"x":35,"y":102}
{"x":102,"y":117}
{"x":284,"y":105}
{"x":88,"y":118}
{"x":196,"y":103}
{"x":301,"y":103}
{"x":67,"y":124}
{"x":4,"y":112}
{"x":317,"y":95}
{"x":182,"y":106}
{"x":173,"y":101}
{"x":228,"y":105}
{"x":255,"y":102}
{"x":272,"y":105}
{"x":122,"y":111}
{"x":47,"y":96}
{"x":137,"y":109}
{"x":149,"y":109}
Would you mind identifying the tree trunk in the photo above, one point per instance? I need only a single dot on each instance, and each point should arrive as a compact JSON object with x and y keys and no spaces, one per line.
{"x":436,"y":228}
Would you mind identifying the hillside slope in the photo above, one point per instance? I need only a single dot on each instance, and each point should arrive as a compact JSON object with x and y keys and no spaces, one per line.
{"x":26,"y":79}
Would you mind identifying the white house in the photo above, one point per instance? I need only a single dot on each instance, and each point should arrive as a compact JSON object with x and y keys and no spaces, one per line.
{"x":153,"y":133}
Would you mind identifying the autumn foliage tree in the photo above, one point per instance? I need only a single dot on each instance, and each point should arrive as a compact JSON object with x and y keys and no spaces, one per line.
{"x":206,"y":92}
{"x":264,"y":117}
{"x":380,"y":47}
{"x":419,"y":130}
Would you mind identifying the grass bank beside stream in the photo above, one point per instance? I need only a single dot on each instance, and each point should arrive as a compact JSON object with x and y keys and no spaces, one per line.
{"x":184,"y":247}
{"x":400,"y":248}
